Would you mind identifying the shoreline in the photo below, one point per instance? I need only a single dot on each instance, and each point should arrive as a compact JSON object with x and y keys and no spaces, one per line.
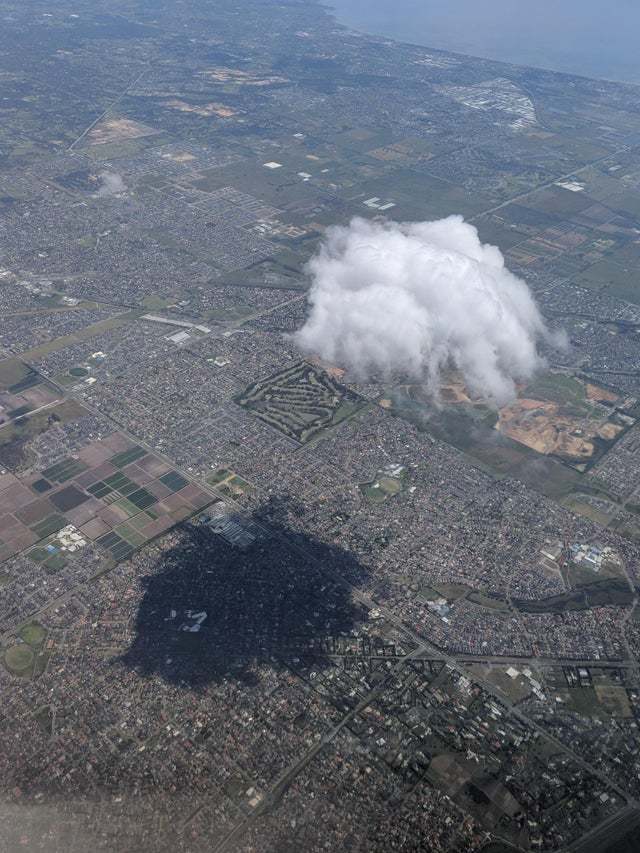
{"x":333,"y":12}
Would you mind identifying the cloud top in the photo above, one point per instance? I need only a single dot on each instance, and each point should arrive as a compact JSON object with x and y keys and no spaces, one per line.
{"x":413,"y":298}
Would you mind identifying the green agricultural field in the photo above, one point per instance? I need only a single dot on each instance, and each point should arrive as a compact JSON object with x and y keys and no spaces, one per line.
{"x":617,"y":279}
{"x":628,"y":202}
{"x":130,"y":535}
{"x":418,"y":196}
{"x":557,"y":201}
{"x":49,"y":525}
{"x":492,"y":231}
{"x":127,"y":506}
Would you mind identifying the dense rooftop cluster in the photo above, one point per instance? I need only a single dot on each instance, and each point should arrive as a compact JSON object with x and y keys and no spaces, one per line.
{"x":249,"y":602}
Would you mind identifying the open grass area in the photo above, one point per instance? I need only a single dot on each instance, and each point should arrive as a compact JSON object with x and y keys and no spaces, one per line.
{"x":121,"y":148}
{"x":614,"y":701}
{"x":429,"y":593}
{"x":629,"y":529}
{"x":383,"y":487}
{"x":12,"y":371}
{"x":391,"y":485}
{"x":557,"y":200}
{"x":63,"y":413}
{"x":82,"y":335}
{"x":583,"y":700}
{"x":487,"y":601}
{"x":559,"y":388}
{"x":234,"y":487}
{"x":78,"y":372}
{"x":54,"y":564}
{"x":451,"y":591}
{"x":44,"y":718}
{"x":154,"y":302}
{"x":471,"y":431}
{"x":41,"y":661}
{"x":583,"y":576}
{"x":602,"y":592}
{"x":598,"y":513}
{"x":373,"y":493}
{"x":19,"y":659}
{"x":516,"y":688}
{"x":33,"y":633}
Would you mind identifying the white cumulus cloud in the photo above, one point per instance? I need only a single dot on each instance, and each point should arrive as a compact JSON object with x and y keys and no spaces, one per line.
{"x":111,"y":184}
{"x":412,"y":298}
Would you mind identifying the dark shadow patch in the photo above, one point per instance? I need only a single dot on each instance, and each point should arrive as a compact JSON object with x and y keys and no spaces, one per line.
{"x":213,"y":610}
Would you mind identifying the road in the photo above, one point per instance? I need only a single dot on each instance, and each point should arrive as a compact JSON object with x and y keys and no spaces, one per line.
{"x":108,"y":109}
{"x":423,"y":647}
{"x":550,"y":183}
{"x":608,"y":835}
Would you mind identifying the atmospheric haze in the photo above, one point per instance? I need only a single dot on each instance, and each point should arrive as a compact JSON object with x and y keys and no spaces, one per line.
{"x":410,"y":299}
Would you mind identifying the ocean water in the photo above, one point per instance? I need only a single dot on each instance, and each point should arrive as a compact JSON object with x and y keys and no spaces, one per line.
{"x":594,"y":38}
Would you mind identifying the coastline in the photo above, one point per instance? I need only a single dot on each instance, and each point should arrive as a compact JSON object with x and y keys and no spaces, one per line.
{"x":337,"y":15}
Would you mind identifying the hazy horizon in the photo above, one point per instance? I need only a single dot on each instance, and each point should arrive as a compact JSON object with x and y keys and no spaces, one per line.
{"x":584,"y":37}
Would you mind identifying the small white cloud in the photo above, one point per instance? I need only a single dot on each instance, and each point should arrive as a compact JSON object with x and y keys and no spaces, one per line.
{"x":112,"y":184}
